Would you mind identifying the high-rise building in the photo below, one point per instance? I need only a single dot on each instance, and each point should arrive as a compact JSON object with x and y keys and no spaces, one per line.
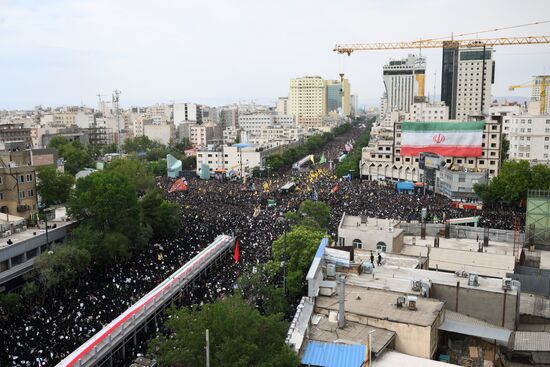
{"x":467,"y":76}
{"x":307,"y":100}
{"x":338,"y":96}
{"x":282,"y":106}
{"x":404,"y":79}
{"x":187,"y":112}
{"x":536,"y":92}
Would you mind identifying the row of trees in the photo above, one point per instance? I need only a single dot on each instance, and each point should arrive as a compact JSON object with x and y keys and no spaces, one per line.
{"x":278,"y":161}
{"x":351,"y":162}
{"x":248,"y":328}
{"x":513,"y":182}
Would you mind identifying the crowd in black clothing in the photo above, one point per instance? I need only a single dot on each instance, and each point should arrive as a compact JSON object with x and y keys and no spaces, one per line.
{"x":46,"y":333}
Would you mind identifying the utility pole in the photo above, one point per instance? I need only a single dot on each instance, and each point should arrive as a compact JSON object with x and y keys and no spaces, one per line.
{"x":116,"y":94}
{"x":207,"y":349}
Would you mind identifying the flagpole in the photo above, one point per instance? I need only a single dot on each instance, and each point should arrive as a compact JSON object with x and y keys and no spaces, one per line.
{"x":207,"y":349}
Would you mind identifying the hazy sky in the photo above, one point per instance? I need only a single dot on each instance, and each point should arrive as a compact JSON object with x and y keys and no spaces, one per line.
{"x":64,"y":52}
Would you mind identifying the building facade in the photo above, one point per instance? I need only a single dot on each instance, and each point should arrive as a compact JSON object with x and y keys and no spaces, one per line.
{"x":467,"y":77}
{"x":17,"y":184}
{"x":307,"y":100}
{"x":187,"y":112}
{"x":529,"y":137}
{"x":381,"y":159}
{"x":404,"y":80}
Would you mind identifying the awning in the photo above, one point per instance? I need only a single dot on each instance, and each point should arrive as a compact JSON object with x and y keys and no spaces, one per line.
{"x":334,"y":355}
{"x":461,"y":324}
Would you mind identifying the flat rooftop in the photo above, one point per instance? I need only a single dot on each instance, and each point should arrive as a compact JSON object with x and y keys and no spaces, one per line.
{"x":392,"y":358}
{"x":456,"y":259}
{"x":390,"y":259}
{"x":354,"y":222}
{"x":323,"y":330}
{"x":381,"y":304}
{"x":29,"y":233}
{"x":399,"y":280}
{"x":464,"y":244}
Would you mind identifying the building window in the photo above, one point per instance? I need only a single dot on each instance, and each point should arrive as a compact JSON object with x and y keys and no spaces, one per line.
{"x":29,"y":178}
{"x":21,"y":179}
{"x":357,"y":243}
{"x":381,"y":247}
{"x":30,"y":193}
{"x":2,"y":194}
{"x":21,"y":194}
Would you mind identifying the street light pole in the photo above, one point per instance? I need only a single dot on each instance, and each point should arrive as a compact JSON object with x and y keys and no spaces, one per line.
{"x":284,"y":258}
{"x":207,"y":349}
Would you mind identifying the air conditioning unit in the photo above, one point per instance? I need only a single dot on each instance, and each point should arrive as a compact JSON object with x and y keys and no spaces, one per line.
{"x":17,"y":230}
{"x":473,"y":279}
{"x":411,"y":302}
{"x":331,"y":270}
{"x":416,"y":285}
{"x":7,"y":233}
{"x":390,"y":229}
{"x":507,"y":284}
{"x":400,"y":302}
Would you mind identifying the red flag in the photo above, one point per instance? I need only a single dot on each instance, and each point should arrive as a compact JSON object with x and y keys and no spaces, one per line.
{"x":237,"y":254}
{"x":335,"y":188}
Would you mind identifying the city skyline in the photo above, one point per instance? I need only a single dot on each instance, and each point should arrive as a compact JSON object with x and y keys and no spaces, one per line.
{"x":214,"y":53}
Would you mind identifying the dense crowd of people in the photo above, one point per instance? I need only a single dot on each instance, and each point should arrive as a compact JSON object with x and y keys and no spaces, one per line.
{"x":47,"y":332}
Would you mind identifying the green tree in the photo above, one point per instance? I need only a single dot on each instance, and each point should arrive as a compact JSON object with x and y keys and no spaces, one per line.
{"x":301,"y":244}
{"x":57,"y":142}
{"x":53,"y":186}
{"x":30,"y":291}
{"x":239,"y":336}
{"x":61,"y":265}
{"x":158,"y":168}
{"x":107,"y":201}
{"x":139,"y":144}
{"x":162,"y":216}
{"x":318,"y":211}
{"x":10,"y":302}
{"x":137,"y":171}
{"x":189,"y":162}
{"x":257,"y":288}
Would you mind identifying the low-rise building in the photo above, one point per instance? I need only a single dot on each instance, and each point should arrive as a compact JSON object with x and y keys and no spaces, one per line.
{"x":529,"y":137}
{"x":382,"y":235}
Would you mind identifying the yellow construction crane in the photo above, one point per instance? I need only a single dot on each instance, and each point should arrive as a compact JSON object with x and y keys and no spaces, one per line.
{"x":544,"y":82}
{"x":438,"y":43}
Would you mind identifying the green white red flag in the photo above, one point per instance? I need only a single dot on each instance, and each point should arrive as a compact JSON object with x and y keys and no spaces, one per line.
{"x":451,"y":139}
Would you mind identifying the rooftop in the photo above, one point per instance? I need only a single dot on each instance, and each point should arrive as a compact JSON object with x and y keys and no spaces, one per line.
{"x":399,"y":280}
{"x":455,"y":259}
{"x":382,"y":305}
{"x":464,"y":244}
{"x":363,"y":223}
{"x":390,"y":259}
{"x":323,"y":330}
{"x":392,"y":358}
{"x":532,"y":341}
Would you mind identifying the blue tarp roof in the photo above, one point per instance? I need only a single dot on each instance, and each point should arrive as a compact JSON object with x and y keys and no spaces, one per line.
{"x":407,"y":185}
{"x":334,"y":355}
{"x":243,"y":145}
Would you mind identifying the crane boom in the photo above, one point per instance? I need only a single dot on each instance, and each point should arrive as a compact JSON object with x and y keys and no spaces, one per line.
{"x":503,"y":41}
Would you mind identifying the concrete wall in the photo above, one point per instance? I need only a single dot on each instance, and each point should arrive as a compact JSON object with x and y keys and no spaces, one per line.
{"x":483,"y":305}
{"x":409,"y":339}
{"x":370,"y":238}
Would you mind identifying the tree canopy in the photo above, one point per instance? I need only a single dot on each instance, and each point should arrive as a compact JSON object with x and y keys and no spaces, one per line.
{"x":75,"y":155}
{"x":239,"y":336}
{"x":53,"y":186}
{"x":513,"y":182}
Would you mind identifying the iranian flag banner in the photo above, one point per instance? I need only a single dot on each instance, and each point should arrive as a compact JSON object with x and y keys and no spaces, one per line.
{"x":451,"y":139}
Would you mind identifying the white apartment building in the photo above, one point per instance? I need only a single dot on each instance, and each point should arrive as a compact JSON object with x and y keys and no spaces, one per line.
{"x":529,"y":137}
{"x":200,"y":135}
{"x":162,"y":133}
{"x":84,"y":120}
{"x":229,"y":117}
{"x":403,"y":79}
{"x":187,"y":112}
{"x":381,"y":159}
{"x":232,"y":158}
{"x":160,"y":113}
{"x":307,"y":100}
{"x":468,"y":74}
{"x":425,"y":111}
{"x":282,"y":106}
{"x":255,"y":123}
{"x":65,"y":119}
